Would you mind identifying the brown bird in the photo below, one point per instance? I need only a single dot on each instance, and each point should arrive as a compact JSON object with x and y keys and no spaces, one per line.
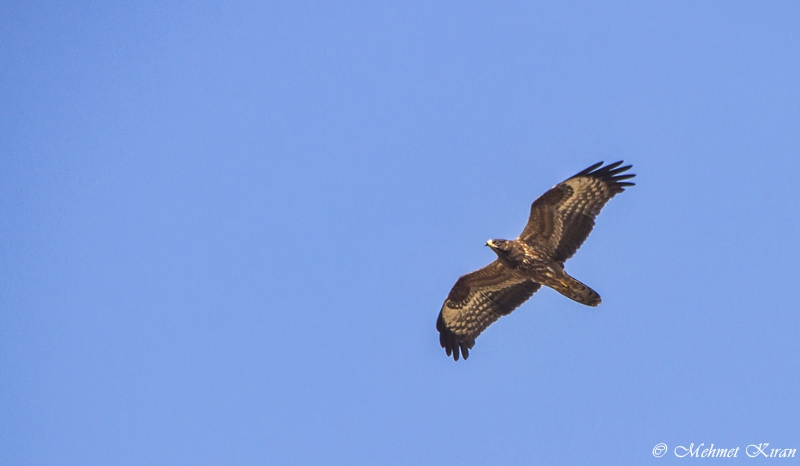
{"x":560,"y":221}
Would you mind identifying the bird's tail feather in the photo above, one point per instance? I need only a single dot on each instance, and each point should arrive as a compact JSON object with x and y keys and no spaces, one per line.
{"x":577,"y":291}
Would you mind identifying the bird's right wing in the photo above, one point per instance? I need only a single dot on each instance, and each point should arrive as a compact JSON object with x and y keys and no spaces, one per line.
{"x":476,"y":301}
{"x":563,"y":217}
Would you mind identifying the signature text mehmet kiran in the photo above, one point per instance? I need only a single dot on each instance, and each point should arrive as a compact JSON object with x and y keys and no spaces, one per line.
{"x":753,"y":451}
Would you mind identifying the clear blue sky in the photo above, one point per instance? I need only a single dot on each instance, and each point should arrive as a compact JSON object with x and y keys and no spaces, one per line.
{"x":226,"y":230}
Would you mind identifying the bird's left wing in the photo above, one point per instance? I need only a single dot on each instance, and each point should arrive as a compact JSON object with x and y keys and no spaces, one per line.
{"x":563,"y":217}
{"x":476,"y":301}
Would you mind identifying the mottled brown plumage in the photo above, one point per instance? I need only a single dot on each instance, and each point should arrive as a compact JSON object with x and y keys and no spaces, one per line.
{"x":559,"y":223}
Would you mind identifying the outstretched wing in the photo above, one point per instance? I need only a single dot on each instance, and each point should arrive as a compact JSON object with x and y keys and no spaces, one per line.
{"x":563,"y":217}
{"x":475,"y":302}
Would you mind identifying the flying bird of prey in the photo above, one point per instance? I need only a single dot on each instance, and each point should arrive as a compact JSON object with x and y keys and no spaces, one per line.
{"x":560,"y":221}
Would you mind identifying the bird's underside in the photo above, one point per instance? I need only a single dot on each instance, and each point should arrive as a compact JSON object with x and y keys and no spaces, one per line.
{"x":559,"y":222}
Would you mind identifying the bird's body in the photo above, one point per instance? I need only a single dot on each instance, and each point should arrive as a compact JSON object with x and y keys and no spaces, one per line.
{"x":533,"y":262}
{"x":559,"y":222}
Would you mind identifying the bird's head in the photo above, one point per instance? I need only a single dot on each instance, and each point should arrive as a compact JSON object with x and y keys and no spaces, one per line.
{"x":499,"y":246}
{"x":495,"y":244}
{"x":508,"y":252}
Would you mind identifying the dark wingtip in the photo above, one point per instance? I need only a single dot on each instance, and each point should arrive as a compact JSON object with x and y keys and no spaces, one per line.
{"x":452,"y":344}
{"x":611,"y":174}
{"x":464,"y":350}
{"x":611,"y":166}
{"x":588,"y":170}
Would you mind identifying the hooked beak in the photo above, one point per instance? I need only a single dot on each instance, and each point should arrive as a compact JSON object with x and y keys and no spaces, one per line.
{"x":491,"y":244}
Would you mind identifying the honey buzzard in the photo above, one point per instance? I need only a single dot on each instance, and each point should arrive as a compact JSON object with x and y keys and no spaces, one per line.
{"x":560,"y":221}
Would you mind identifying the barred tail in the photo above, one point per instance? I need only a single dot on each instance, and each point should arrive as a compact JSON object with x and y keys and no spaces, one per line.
{"x":577,"y":291}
